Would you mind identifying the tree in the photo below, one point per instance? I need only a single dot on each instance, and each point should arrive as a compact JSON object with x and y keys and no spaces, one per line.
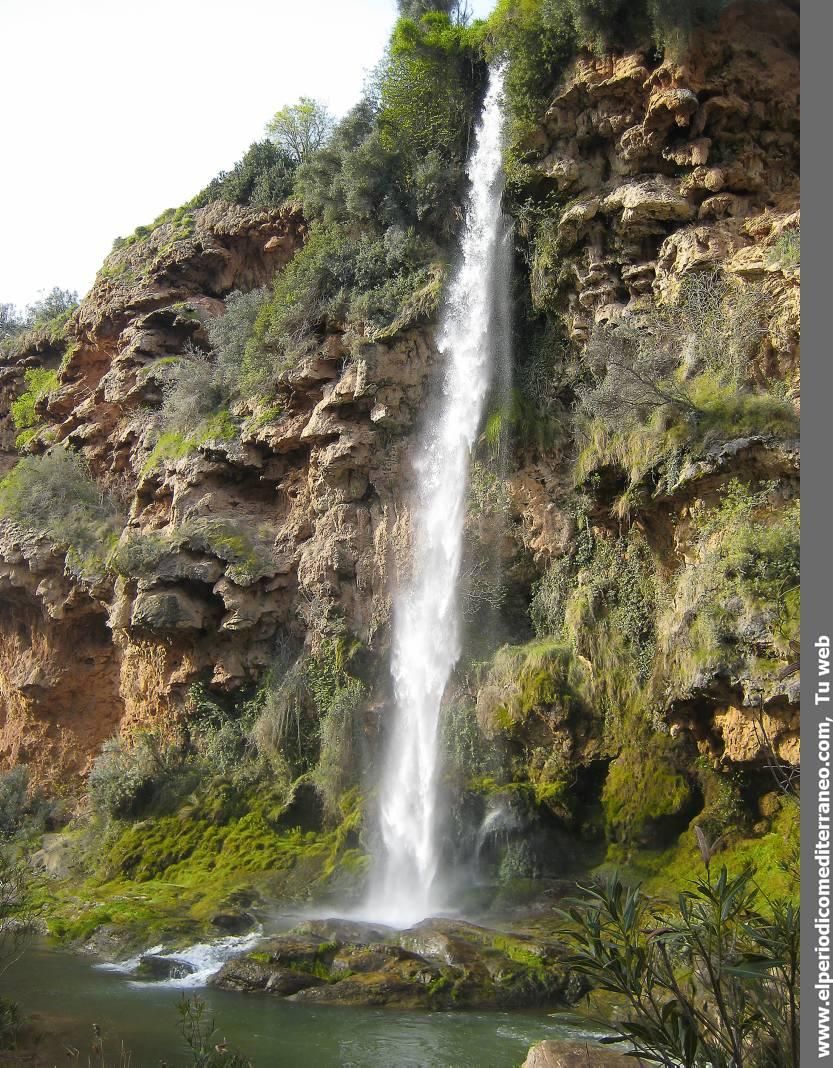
{"x":301,"y":128}
{"x":54,"y":303}
{"x":458,"y":10}
{"x":11,"y":322}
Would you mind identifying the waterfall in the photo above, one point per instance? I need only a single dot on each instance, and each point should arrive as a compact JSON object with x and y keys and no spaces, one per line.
{"x":426,"y":627}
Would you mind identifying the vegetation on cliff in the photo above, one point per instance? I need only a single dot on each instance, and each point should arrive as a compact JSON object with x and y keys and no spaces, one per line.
{"x":630,"y":575}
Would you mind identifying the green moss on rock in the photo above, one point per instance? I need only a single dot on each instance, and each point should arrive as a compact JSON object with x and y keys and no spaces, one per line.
{"x":645,"y":793}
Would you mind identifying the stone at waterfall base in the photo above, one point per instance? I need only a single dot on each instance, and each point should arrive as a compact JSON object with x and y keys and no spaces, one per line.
{"x":551,"y":1054}
{"x":437,"y":964}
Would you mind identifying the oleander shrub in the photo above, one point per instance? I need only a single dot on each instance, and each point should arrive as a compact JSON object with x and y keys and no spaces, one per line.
{"x":712,"y":980}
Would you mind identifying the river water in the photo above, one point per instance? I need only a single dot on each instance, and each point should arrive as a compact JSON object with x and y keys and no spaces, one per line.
{"x":73,"y":994}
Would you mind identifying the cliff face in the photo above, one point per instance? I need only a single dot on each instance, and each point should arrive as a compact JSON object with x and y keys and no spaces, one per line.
{"x":654,"y":174}
{"x":310,"y":491}
{"x":677,"y":168}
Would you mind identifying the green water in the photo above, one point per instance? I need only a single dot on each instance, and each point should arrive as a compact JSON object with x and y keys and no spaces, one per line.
{"x":143,"y":1018}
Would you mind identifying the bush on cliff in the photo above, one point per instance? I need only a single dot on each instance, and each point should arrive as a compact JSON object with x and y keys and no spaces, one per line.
{"x":39,"y":384}
{"x":381,"y":197}
{"x":339,"y":281}
{"x":659,"y":388}
{"x":41,"y":323}
{"x":200,"y":387}
{"x":737,"y":603}
{"x":540,"y":38}
{"x":55,"y":496}
{"x":262,"y":179}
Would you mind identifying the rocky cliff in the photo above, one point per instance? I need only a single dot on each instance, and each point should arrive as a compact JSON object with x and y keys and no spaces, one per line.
{"x":642,"y":643}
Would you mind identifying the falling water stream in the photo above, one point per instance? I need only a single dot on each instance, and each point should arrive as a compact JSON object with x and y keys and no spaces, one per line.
{"x":426,"y":638}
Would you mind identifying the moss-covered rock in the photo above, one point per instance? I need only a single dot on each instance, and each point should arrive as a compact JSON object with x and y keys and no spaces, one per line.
{"x":438,"y":964}
{"x":645,"y":797}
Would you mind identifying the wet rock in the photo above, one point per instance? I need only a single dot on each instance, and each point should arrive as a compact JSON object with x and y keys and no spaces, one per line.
{"x":406,"y":984}
{"x":439,"y":964}
{"x":347,"y":931}
{"x":449,"y":941}
{"x":233,"y":922}
{"x":256,"y":972}
{"x":155,"y":967}
{"x":371,"y":958}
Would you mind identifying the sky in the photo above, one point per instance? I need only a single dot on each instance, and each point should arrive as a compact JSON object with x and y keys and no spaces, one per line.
{"x":116,"y":110}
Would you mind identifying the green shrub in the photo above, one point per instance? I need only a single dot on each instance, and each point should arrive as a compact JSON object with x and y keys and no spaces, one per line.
{"x":11,"y":321}
{"x":14,"y":801}
{"x":353,"y":178}
{"x":262,"y":179}
{"x":53,"y":308}
{"x":284,"y":731}
{"x":339,"y":734}
{"x":308,"y":718}
{"x":397,"y":158}
{"x":467,"y":753}
{"x":428,"y":85}
{"x":670,"y":384}
{"x":738,"y":598}
{"x":522,"y":682}
{"x":712,"y":981}
{"x":786,"y":252}
{"x":199,"y":388}
{"x":124,"y":776}
{"x":609,"y":624}
{"x":247,"y":553}
{"x":181,"y":225}
{"x":55,"y":496}
{"x":340,"y":280}
{"x":540,"y":37}
{"x":42,"y":323}
{"x":640,"y":366}
{"x":39,"y":383}
{"x":300,"y":129}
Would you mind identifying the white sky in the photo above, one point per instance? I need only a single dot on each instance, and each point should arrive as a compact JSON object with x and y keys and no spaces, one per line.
{"x":114,"y":110}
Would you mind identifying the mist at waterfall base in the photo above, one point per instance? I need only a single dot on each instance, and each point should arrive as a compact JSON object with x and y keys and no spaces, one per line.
{"x":406,"y":883}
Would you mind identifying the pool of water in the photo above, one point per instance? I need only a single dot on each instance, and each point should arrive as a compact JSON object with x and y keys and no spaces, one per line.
{"x":142,"y":1018}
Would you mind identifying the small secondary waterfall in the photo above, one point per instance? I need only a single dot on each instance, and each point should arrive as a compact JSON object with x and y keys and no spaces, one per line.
{"x":426,"y":640}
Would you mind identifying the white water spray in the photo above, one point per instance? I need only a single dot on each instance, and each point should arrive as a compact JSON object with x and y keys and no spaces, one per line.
{"x":426,"y":641}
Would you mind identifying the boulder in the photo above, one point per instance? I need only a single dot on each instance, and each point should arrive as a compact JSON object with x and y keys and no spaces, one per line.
{"x":155,"y":967}
{"x":550,"y":1054}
